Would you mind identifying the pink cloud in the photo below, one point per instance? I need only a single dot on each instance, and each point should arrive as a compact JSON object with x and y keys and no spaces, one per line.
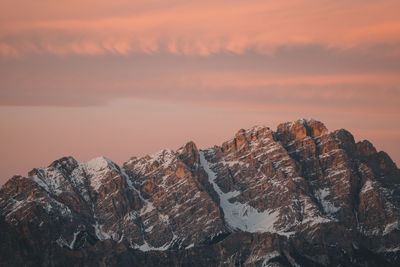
{"x":201,"y":27}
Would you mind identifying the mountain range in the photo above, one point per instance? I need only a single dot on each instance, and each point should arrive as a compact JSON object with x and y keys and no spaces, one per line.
{"x":297,"y":196}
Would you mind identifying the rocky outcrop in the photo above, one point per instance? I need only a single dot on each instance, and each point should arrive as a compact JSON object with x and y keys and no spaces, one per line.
{"x":297,"y":196}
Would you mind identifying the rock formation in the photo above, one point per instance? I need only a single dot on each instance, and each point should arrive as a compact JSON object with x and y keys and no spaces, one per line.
{"x":297,"y":196}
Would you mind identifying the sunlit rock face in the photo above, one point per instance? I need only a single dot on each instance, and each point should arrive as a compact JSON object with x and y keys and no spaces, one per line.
{"x":297,"y":196}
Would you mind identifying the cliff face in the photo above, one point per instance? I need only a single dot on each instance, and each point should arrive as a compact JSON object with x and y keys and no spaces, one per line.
{"x":300,"y":195}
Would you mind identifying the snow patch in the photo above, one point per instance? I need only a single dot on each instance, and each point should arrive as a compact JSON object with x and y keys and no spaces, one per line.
{"x":97,"y":168}
{"x":164,"y":158}
{"x":368,"y":186}
{"x":72,"y":244}
{"x":393,"y":249}
{"x":238,"y":215}
{"x":100,"y":233}
{"x":99,"y":164}
{"x":391,"y":227}
{"x":253,"y":259}
{"x":40,"y":183}
{"x":190,"y":246}
{"x":270,"y":256}
{"x":328,"y":207}
{"x":61,"y":242}
{"x":147,"y":247}
{"x":148,"y":207}
{"x":311,"y":213}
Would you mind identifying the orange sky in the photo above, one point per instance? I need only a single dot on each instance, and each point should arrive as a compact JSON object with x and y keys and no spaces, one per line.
{"x":123,"y":78}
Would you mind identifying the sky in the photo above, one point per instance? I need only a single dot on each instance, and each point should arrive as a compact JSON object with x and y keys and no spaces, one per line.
{"x":128,"y":78}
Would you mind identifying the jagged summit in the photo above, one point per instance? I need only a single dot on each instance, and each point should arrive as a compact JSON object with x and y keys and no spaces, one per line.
{"x":290,"y":131}
{"x":365,"y":148}
{"x":64,"y":162}
{"x":297,"y":196}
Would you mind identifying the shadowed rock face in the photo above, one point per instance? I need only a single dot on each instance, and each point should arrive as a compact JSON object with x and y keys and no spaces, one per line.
{"x":300,"y":195}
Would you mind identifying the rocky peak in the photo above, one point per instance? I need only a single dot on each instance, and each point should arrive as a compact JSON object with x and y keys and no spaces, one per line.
{"x":189,"y":154}
{"x":241,"y":138}
{"x":259,"y":132}
{"x":101,"y":163}
{"x":365,"y":148}
{"x":367,"y":152}
{"x":65,"y":165}
{"x":291,"y":131}
{"x":162,"y":159}
{"x":64,"y":162}
{"x":345,"y":141}
{"x":315,"y":128}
